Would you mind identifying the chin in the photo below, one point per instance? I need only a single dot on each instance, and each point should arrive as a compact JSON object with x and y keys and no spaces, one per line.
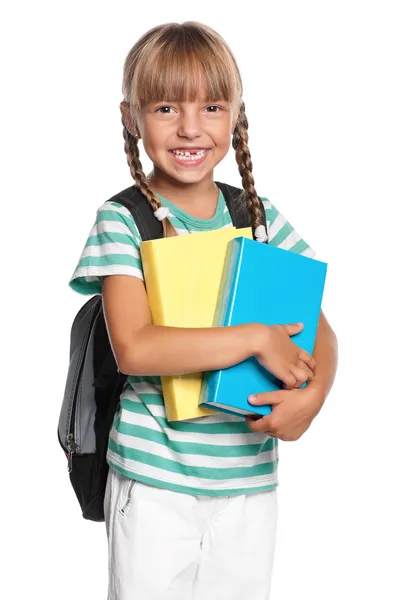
{"x":185,"y":175}
{"x":192,"y":177}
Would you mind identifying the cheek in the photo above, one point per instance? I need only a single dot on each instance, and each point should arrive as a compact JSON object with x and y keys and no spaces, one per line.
{"x":154,"y":137}
{"x":154,"y":145}
{"x":223,"y":142}
{"x":222,"y":135}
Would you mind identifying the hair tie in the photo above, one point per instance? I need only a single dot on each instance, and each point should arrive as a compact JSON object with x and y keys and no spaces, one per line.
{"x":260,"y":234}
{"x":162,"y":213}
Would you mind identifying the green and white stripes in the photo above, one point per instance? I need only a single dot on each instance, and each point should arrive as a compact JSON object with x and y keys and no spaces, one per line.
{"x":214,"y":455}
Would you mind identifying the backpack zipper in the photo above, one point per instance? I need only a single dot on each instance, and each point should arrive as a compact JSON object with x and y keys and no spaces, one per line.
{"x":70,"y":440}
{"x":72,"y":447}
{"x":71,"y":444}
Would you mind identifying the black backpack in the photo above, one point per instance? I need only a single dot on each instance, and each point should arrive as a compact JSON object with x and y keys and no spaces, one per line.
{"x":94,"y":383}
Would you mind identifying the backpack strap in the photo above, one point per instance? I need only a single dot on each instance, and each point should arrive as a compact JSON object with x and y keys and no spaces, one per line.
{"x":150,"y":228}
{"x":133,"y":199}
{"x":240,"y":216}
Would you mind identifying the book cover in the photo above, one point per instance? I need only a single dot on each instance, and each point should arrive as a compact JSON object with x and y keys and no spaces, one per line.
{"x":263,"y":284}
{"x":182,"y":278}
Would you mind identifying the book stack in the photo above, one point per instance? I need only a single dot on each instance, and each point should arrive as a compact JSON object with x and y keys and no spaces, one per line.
{"x":182,"y":278}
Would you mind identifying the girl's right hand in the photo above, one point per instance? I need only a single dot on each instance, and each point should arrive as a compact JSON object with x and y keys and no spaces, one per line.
{"x":282,"y":357}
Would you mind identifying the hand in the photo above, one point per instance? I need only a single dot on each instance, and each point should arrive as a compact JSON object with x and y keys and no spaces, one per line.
{"x":292,"y":413}
{"x":282,"y":357}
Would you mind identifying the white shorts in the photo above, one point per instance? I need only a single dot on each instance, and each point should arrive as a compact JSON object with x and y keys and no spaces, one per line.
{"x":165,"y":545}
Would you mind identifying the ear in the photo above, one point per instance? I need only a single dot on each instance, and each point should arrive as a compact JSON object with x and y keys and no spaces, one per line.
{"x":127,"y":119}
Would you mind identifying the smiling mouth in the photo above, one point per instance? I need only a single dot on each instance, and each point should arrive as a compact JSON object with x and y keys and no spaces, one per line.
{"x":194,"y":156}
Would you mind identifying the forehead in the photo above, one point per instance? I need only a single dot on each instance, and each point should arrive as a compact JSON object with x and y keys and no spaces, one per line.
{"x":183,"y":79}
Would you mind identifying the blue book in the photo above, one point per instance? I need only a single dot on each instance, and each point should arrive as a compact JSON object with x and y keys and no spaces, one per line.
{"x":262,"y":284}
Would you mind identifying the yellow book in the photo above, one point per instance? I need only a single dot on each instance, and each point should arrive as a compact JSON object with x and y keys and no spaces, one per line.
{"x":182,"y":278}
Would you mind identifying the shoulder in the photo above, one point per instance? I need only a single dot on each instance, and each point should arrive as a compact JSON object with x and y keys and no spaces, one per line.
{"x":113,"y":216}
{"x":111,"y":248}
{"x":116,"y":209}
{"x":282,"y":233}
{"x":272,"y":211}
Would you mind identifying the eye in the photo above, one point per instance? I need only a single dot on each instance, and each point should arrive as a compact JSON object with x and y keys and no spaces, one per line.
{"x":214,"y":106}
{"x":161,"y":108}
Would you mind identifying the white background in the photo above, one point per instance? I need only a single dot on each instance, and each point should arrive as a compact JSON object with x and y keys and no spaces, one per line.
{"x":320,"y":87}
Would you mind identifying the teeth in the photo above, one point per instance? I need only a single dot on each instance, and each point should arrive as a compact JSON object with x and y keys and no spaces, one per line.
{"x":188,"y":155}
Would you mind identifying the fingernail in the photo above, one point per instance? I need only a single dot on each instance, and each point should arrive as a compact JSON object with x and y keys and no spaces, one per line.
{"x":252,"y":399}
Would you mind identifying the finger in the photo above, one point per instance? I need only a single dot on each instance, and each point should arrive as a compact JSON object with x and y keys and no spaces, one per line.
{"x":294,"y":328}
{"x":259,"y":425}
{"x":290,"y":387}
{"x":306,"y":368}
{"x":301,"y":375}
{"x":308,"y":359}
{"x":266,"y":398}
{"x":288,"y":378}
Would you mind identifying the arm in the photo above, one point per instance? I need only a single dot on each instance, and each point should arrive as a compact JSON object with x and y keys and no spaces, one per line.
{"x":161,"y":350}
{"x":326,"y":358}
{"x":141,"y":348}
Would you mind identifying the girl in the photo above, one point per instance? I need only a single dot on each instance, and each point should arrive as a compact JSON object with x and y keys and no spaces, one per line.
{"x":190,"y":507}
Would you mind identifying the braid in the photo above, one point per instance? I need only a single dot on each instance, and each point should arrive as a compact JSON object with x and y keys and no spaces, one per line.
{"x":243,"y":158}
{"x":137,"y":173}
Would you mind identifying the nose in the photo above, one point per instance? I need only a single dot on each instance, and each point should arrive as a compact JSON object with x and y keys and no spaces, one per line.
{"x":189,"y":124}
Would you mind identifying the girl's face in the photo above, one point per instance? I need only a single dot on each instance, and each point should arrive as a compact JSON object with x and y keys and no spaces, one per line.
{"x":199,"y":128}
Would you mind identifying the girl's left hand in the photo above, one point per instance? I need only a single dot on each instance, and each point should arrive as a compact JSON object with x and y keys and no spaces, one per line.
{"x":292,"y":413}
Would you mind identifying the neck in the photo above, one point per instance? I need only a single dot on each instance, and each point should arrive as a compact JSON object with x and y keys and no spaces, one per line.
{"x":181,"y":193}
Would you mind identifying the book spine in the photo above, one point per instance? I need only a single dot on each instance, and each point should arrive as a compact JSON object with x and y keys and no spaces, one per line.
{"x":226,"y":294}
{"x":222,"y":315}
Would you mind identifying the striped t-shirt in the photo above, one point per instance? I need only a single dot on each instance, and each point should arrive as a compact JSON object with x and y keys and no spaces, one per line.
{"x":212,"y":455}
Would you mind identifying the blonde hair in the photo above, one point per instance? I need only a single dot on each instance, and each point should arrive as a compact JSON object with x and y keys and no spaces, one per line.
{"x":167,"y":62}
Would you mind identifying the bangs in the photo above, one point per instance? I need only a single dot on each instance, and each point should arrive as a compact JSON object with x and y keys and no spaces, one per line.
{"x":184,"y":68}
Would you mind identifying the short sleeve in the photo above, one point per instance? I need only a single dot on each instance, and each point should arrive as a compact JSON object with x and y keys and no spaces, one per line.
{"x":112,"y":248}
{"x":282,"y":234}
